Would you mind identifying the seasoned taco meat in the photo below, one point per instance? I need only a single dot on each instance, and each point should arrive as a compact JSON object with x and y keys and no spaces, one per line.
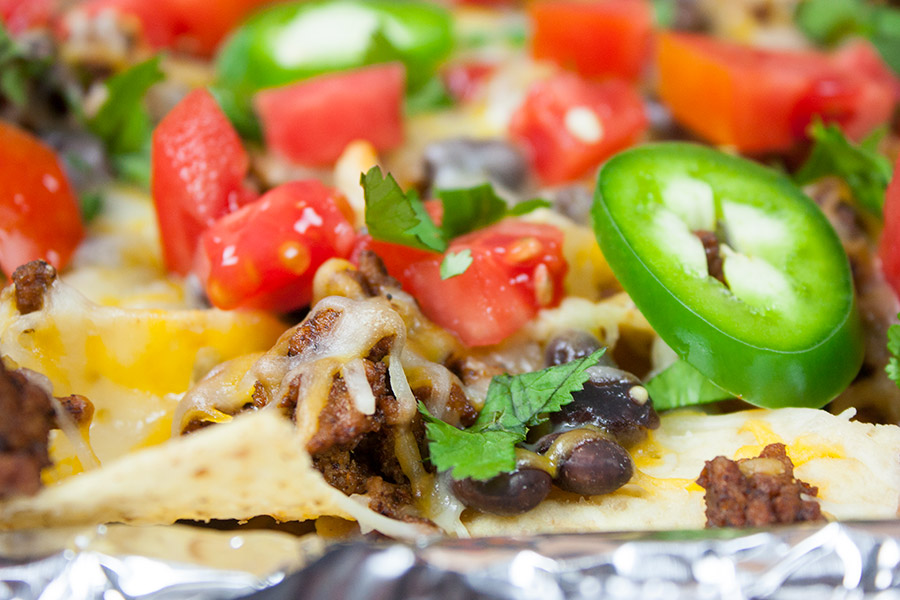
{"x":28,"y":417}
{"x":754,"y":492}
{"x":32,"y":280}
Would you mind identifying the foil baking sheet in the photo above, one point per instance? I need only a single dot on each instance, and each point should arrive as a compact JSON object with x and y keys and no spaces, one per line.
{"x":837,"y":560}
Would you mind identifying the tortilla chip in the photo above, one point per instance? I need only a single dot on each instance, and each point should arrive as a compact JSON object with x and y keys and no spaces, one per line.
{"x":856,"y":467}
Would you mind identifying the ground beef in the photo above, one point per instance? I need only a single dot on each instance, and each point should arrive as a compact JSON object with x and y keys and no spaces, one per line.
{"x":392,"y":500}
{"x":27,"y":419}
{"x":458,"y":411}
{"x":340,"y":423}
{"x":32,"y":280}
{"x":80,"y":409}
{"x":312,"y":330}
{"x":756,"y":492}
{"x":375,"y":274}
{"x":341,"y":471}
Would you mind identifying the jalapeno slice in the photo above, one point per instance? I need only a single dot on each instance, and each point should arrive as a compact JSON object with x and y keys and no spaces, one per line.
{"x":779,"y":326}
{"x":296,"y":40}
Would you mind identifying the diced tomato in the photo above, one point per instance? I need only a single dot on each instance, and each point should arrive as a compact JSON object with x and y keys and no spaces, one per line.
{"x":569,"y":125}
{"x":265,"y":254}
{"x":889,"y":248}
{"x":311,"y":122}
{"x":21,"y":15}
{"x":39,"y":214}
{"x":517,"y":268}
{"x":463,"y":80}
{"x":196,"y":26}
{"x":198,"y":170}
{"x":596,"y":39}
{"x":763,"y":100}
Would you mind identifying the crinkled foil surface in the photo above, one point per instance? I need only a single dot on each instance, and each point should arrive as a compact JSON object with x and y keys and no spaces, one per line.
{"x":837,"y":560}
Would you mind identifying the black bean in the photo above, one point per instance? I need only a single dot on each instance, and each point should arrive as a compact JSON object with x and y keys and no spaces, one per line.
{"x":571,"y":344}
{"x":595,"y":466}
{"x":507,"y":493}
{"x":614,"y":401}
{"x":574,"y":201}
{"x":462,"y":162}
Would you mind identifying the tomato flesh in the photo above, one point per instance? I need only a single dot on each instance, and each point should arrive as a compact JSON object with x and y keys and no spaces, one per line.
{"x":194,"y":26}
{"x":763,"y":100}
{"x":889,"y":246}
{"x":311,"y":122}
{"x":39,"y":214}
{"x":265,"y":254}
{"x":595,"y":39}
{"x":198,"y":170}
{"x":568,"y":125}
{"x":517,"y":268}
{"x":21,"y":15}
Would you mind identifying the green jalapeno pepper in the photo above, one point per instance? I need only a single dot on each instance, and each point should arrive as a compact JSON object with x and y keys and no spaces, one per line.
{"x":779,"y":325}
{"x":297,"y":40}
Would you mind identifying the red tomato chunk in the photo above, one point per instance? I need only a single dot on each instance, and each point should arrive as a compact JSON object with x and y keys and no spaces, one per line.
{"x":265,"y":254}
{"x":568,"y":126}
{"x":595,"y":39}
{"x":311,"y":122}
{"x":889,"y":249}
{"x":517,"y":268}
{"x":763,"y":100}
{"x":39,"y":214}
{"x":198,"y":170}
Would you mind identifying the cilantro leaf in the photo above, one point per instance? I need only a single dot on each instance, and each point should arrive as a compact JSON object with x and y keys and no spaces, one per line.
{"x":479,"y":455}
{"x":682,"y":385}
{"x":455,"y":263}
{"x":523,"y":208}
{"x":664,"y":12}
{"x":122,"y":121}
{"x":18,"y":69}
{"x":893,"y":344}
{"x":430,"y":96}
{"x":397,"y":217}
{"x":469,"y":209}
{"x":831,"y":21}
{"x":514,"y":403}
{"x":865,"y":171}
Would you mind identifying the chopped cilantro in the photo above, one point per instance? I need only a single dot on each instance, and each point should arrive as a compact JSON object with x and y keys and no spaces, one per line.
{"x":122,"y":121}
{"x":398,"y":217}
{"x":17,"y":69}
{"x":528,"y":205}
{"x":513,"y":404}
{"x":91,"y":204}
{"x":893,"y":344}
{"x":455,"y":263}
{"x":865,"y":171}
{"x":664,"y":12}
{"x":831,"y":21}
{"x":682,"y":385}
{"x":469,"y":209}
{"x":430,"y":96}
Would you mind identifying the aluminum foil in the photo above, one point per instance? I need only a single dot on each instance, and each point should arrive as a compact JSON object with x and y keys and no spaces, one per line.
{"x":837,"y":560}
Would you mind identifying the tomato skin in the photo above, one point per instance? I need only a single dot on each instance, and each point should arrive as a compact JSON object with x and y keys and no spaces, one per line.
{"x":762,"y":100}
{"x":265,"y":254}
{"x":21,"y":15}
{"x":889,"y":246}
{"x":194,"y":26}
{"x":464,"y":80}
{"x":559,"y":147}
{"x":311,"y":122}
{"x":517,"y":268}
{"x":198,"y":169}
{"x":595,"y":39}
{"x":39,"y":214}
